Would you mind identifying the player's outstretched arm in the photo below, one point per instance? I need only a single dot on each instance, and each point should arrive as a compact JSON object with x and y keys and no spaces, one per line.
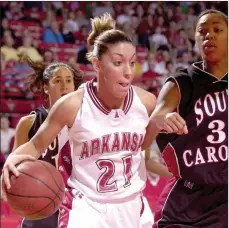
{"x":164,"y":116}
{"x":62,"y":113}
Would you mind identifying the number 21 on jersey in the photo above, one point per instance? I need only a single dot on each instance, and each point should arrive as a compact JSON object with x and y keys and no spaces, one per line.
{"x":103,"y":184}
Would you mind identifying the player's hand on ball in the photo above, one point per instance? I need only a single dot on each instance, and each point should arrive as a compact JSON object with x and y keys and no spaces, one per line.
{"x":2,"y":194}
{"x":174,"y":123}
{"x":10,"y":166}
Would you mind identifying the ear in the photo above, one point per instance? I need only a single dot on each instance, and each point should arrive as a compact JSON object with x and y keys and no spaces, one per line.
{"x":45,"y":89}
{"x":96,"y":64}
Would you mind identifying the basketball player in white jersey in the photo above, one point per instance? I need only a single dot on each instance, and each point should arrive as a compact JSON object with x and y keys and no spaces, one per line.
{"x":107,"y":121}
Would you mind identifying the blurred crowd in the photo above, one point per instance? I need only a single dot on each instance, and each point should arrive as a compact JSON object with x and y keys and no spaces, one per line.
{"x":57,"y":31}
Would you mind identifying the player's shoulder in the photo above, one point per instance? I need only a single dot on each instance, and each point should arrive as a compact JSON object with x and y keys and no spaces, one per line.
{"x":28,"y":119}
{"x":148,"y":99}
{"x":73,"y":99}
{"x":26,"y":122}
{"x":184,"y":73}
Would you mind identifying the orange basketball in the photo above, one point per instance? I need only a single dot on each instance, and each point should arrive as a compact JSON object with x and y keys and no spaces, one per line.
{"x":38,"y":191}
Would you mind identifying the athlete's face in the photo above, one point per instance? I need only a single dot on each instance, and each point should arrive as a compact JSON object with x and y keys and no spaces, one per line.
{"x":60,"y":84}
{"x":212,"y":37}
{"x":117,"y":67}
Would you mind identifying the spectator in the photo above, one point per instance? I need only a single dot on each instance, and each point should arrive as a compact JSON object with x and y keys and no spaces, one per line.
{"x":14,"y":12}
{"x":128,"y":29}
{"x":81,"y":36}
{"x":7,"y":134}
{"x":103,"y":7}
{"x":160,"y":22}
{"x":191,"y":36}
{"x":49,"y":56}
{"x":125,"y":16}
{"x":151,"y":78}
{"x":27,"y":49}
{"x":169,"y":16}
{"x":162,"y":58}
{"x":67,"y":33}
{"x":81,"y":19}
{"x":158,"y":38}
{"x":143,"y":31}
{"x":171,"y":68}
{"x":171,"y":33}
{"x":159,"y":11}
{"x":58,"y":5}
{"x":72,"y":22}
{"x":140,"y":11}
{"x":52,"y":34}
{"x":182,"y":43}
{"x":151,"y":74}
{"x":191,"y":16}
{"x":72,"y":61}
{"x":8,"y":49}
{"x":49,"y":18}
{"x":33,"y":14}
{"x":82,"y":59}
{"x":5,"y":27}
{"x":185,"y":61}
{"x":135,"y":21}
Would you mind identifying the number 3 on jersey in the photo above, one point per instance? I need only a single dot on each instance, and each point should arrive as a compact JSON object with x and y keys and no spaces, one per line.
{"x":103,"y":184}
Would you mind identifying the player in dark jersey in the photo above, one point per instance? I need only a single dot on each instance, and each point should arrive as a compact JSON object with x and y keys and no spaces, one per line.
{"x":54,"y":81}
{"x":193,"y":104}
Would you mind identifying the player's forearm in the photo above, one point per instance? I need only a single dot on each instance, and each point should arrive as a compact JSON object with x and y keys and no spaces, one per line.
{"x":157,"y":168}
{"x":151,"y":133}
{"x":28,"y":148}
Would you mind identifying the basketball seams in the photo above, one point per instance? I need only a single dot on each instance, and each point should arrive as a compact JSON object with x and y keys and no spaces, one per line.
{"x":41,"y":182}
{"x":57,"y":185}
{"x":44,"y":197}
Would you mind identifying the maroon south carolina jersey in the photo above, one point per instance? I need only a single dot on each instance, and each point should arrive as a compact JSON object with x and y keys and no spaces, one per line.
{"x":201,"y":155}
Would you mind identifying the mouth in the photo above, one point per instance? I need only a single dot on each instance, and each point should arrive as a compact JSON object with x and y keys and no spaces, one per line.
{"x":124,"y":85}
{"x":209,"y":46}
{"x":63,"y":94}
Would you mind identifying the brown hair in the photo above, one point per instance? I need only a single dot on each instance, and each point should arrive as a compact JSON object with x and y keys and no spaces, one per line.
{"x":104,"y":33}
{"x":208,"y":11}
{"x":44,"y":72}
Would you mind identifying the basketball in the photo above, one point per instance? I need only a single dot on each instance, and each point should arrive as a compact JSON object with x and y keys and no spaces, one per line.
{"x":37,"y":192}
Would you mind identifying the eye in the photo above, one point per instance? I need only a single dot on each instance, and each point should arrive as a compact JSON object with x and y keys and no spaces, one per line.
{"x":57,"y":81}
{"x":202,"y":31}
{"x":218,"y":30}
{"x":69,"y":80}
{"x":117,"y":63}
{"x":133,"y":63}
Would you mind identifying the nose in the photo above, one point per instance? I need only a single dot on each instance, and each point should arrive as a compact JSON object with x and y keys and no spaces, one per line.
{"x":128,"y":71}
{"x":64,"y":86}
{"x":209,"y":36}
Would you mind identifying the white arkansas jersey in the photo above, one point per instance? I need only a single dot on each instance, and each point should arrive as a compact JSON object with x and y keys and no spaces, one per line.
{"x":108,"y":164}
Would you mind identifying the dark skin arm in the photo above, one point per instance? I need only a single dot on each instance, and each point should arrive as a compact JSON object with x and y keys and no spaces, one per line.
{"x":163,"y":118}
{"x":149,"y":100}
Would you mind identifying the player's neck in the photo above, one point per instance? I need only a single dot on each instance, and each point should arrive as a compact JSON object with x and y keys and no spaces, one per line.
{"x":218,"y":69}
{"x":108,"y":100}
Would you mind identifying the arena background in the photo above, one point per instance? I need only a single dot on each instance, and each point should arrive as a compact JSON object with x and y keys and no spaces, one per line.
{"x":56,"y":31}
